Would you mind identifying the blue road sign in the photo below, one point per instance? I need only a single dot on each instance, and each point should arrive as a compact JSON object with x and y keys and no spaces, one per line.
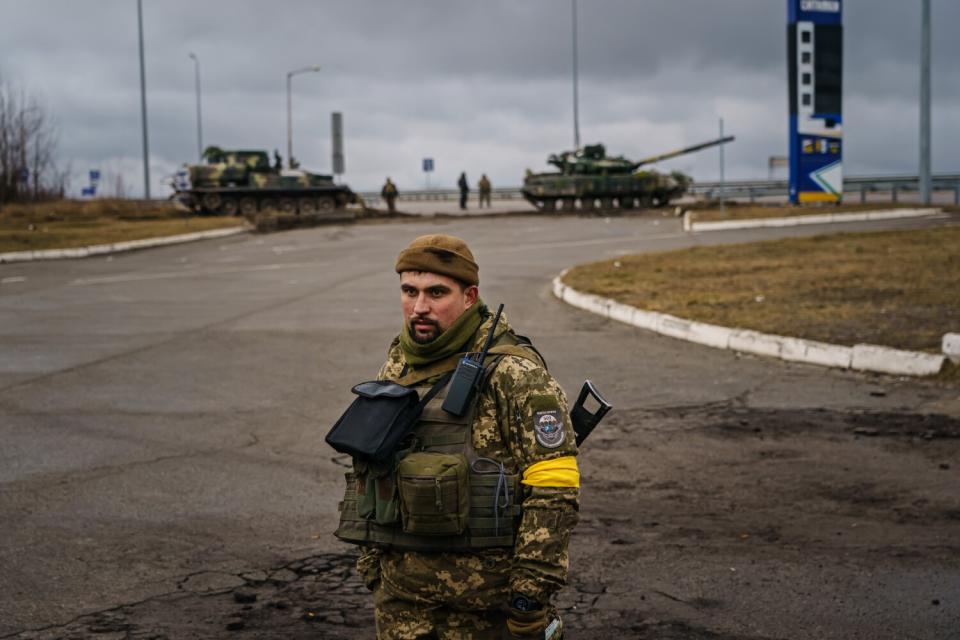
{"x":94,"y":176}
{"x":428,"y":165}
{"x":88,"y":191}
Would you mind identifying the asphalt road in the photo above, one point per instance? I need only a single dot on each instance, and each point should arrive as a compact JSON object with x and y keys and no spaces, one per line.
{"x":162,"y":416}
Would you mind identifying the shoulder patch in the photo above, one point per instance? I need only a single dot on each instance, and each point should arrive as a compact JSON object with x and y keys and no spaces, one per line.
{"x":548,"y":428}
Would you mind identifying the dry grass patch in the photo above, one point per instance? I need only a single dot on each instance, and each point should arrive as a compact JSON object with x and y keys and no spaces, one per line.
{"x":896,"y":288}
{"x":735,"y":211}
{"x":72,"y":223}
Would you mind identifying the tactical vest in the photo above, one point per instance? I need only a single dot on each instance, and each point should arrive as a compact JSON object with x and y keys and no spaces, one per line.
{"x":438,"y":493}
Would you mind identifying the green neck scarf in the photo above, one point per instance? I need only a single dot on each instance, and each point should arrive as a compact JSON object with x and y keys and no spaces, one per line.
{"x":447,"y":343}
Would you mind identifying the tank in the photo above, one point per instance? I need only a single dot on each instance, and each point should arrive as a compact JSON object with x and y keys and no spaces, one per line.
{"x":244,"y":182}
{"x":595,"y":180}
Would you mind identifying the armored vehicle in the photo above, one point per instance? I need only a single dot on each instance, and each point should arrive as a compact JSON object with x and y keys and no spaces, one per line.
{"x":596,"y":180}
{"x":244,"y":182}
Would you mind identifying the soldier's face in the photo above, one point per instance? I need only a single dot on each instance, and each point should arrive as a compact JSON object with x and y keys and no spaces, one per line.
{"x":432,"y":302}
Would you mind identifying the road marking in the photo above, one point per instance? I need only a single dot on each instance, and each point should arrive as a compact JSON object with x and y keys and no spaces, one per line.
{"x":12,"y":279}
{"x":169,"y":275}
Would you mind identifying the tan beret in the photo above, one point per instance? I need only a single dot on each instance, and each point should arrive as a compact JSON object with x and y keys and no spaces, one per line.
{"x":443,"y":254}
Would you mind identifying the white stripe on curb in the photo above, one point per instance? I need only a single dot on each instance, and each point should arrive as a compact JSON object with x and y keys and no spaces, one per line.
{"x":862,"y":357}
{"x":117,"y":247}
{"x":792,"y":221}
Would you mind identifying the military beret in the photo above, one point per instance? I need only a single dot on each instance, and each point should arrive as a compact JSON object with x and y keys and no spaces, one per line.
{"x":440,"y":253}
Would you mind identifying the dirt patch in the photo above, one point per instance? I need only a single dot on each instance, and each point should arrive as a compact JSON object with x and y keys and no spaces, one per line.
{"x":708,"y":522}
{"x":323,"y":597}
{"x":896,"y":288}
{"x":270,"y":221}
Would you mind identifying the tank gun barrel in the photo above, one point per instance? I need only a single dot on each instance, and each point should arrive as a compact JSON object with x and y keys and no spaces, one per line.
{"x":684,"y":151}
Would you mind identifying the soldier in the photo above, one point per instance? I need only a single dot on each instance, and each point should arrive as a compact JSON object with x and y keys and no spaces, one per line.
{"x":464,"y":186}
{"x":389,"y":193}
{"x":464,"y":532}
{"x":485,"y":188}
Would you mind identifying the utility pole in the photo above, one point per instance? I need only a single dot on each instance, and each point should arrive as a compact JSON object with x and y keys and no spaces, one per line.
{"x":199,"y":118}
{"x":290,"y":75}
{"x":722,"y":206}
{"x":925,"y":179}
{"x":576,"y":107}
{"x":143,"y":107}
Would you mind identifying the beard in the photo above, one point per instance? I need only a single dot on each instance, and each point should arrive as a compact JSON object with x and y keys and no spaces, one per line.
{"x":424,"y":339}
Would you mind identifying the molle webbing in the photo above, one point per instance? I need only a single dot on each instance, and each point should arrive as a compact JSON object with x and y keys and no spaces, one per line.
{"x":481,"y":531}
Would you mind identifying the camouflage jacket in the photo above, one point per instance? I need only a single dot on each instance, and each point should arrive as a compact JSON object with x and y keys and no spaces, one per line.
{"x":515,"y":394}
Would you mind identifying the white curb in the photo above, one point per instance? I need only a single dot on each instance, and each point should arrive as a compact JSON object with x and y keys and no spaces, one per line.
{"x":117,"y":247}
{"x":951,"y":346}
{"x":868,"y":357}
{"x":862,"y":357}
{"x":793,"y":221}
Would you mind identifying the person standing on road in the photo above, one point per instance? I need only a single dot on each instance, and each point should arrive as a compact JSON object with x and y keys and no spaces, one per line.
{"x":389,"y":194}
{"x":464,"y":190}
{"x":485,"y":188}
{"x":464,"y":530}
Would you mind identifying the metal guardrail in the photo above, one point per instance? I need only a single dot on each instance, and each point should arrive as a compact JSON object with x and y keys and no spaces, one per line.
{"x":732,"y":189}
{"x":893,"y":184}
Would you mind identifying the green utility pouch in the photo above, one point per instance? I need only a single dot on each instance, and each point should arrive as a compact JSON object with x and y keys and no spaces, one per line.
{"x":377,"y":497}
{"x":434,"y":493}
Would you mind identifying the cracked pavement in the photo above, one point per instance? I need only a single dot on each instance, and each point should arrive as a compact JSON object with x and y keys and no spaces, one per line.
{"x":163,"y":472}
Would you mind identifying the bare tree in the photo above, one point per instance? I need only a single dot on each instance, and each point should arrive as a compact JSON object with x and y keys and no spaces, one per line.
{"x":28,"y":147}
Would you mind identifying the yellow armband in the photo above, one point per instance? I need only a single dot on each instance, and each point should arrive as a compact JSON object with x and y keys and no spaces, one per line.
{"x":559,"y":472}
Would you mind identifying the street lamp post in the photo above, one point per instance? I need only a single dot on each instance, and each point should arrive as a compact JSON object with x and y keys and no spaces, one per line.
{"x":290,"y":75}
{"x":576,"y":108}
{"x":143,"y":106}
{"x":196,"y":67}
{"x":925,"y":182}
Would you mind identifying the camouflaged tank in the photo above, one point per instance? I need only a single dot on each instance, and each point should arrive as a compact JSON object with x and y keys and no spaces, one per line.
{"x":244,"y":182}
{"x":597,"y":181}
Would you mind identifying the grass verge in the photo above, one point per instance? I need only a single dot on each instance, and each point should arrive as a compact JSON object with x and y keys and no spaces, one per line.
{"x":737,"y":211}
{"x":70,"y":223}
{"x":897,"y":288}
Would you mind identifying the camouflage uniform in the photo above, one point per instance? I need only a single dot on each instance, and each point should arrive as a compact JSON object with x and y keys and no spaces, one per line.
{"x":485,"y":188}
{"x":465,"y":595}
{"x":389,"y":194}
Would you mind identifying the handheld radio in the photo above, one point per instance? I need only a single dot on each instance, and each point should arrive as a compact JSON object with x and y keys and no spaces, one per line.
{"x":467,"y":376}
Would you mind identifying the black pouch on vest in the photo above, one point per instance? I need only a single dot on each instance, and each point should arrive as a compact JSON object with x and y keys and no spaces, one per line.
{"x":383,"y":413}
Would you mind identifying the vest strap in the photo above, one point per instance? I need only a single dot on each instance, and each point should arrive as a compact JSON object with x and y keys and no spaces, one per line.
{"x":443,"y":439}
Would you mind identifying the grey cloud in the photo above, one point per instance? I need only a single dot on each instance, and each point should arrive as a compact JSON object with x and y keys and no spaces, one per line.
{"x":482,"y":86}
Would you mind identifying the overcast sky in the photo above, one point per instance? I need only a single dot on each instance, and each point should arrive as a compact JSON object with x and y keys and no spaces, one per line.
{"x":478,"y":86}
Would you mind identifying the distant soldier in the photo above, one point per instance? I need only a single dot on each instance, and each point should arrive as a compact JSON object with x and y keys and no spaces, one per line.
{"x":464,"y":190}
{"x":485,"y":188}
{"x":277,"y":160}
{"x":389,"y":194}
